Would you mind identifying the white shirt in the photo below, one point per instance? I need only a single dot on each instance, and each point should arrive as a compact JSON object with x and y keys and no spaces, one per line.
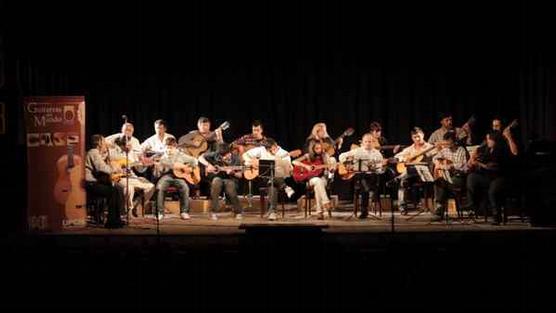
{"x":370,"y":159}
{"x":154,"y":143}
{"x":118,"y":153}
{"x":411,"y":151}
{"x":282,"y":159}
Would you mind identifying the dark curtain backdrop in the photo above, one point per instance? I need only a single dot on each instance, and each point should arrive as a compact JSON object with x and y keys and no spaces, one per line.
{"x":288,"y":64}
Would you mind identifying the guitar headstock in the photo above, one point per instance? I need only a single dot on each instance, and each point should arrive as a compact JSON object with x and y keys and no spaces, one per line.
{"x":513,"y":124}
{"x":348,"y":132}
{"x":224,"y":125}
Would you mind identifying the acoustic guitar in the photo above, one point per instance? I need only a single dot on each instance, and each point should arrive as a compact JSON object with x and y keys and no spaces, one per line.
{"x":417,"y":158}
{"x":200,"y":144}
{"x":329,"y":148}
{"x":68,"y":190}
{"x":301,"y":174}
{"x":191,"y":174}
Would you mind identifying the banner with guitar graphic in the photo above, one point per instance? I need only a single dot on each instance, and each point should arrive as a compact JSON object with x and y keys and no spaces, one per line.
{"x":56,"y":166}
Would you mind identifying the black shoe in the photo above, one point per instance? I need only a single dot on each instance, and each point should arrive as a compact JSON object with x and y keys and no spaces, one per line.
{"x":363,"y":215}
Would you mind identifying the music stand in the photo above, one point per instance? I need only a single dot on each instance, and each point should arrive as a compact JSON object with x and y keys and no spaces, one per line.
{"x":267,"y":170}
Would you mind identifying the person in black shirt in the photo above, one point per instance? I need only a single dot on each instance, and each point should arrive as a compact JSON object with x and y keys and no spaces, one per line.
{"x":489,"y":167}
{"x":223,"y":169}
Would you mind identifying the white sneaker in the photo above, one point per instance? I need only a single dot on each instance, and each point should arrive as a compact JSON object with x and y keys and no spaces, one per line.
{"x":272,"y":216}
{"x":289,"y":191}
{"x":213,"y":216}
{"x":185,"y":216}
{"x":239,"y":216}
{"x":160,"y":217}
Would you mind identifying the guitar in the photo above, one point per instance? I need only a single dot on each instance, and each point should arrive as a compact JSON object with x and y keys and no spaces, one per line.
{"x":418,"y":157}
{"x":191,"y":174}
{"x":443,"y":170}
{"x":200,"y":144}
{"x":69,"y":176}
{"x":330,"y":149}
{"x":252,"y":172}
{"x":301,"y":174}
{"x":347,"y":170}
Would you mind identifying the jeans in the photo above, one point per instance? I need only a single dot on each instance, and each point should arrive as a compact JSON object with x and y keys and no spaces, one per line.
{"x":479,"y":185}
{"x":230,"y":190}
{"x":166,"y":181}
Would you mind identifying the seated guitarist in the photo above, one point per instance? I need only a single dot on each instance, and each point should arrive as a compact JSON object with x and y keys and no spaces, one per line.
{"x":407,"y":179}
{"x":271,"y":151}
{"x":227,"y":179}
{"x":125,"y":142}
{"x":203,"y":129}
{"x":451,"y":159}
{"x":371,"y":160}
{"x":463,"y":134}
{"x":489,"y":169}
{"x":99,"y":183}
{"x":317,"y":155}
{"x":319,"y":134}
{"x":255,"y":139}
{"x":173,"y":158}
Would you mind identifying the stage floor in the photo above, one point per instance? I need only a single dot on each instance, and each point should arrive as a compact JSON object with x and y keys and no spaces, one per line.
{"x":342,"y":221}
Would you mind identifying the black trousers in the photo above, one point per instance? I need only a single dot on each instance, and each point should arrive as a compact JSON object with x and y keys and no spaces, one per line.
{"x":115,"y":196}
{"x":481,"y":187}
{"x":366,"y":184}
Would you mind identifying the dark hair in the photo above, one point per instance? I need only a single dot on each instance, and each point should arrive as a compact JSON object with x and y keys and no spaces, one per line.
{"x":170,"y":141}
{"x":416,"y":130}
{"x":443,"y":115}
{"x":95,"y":140}
{"x":203,"y":120}
{"x":223,"y":148}
{"x":495,"y":135}
{"x":269,"y":143}
{"x":450,"y":135}
{"x":375,"y":126}
{"x":160,"y":122}
{"x":257,"y":123}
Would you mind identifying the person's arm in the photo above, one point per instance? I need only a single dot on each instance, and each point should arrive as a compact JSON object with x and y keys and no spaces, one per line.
{"x":203,"y":160}
{"x":146,"y":145}
{"x":347,"y":154}
{"x":98,"y":162}
{"x":298,"y":161}
{"x":511,"y":142}
{"x":400,"y":156}
{"x":251,"y":157}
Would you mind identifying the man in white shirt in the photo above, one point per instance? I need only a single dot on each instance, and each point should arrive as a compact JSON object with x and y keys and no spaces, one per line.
{"x":407,"y":179}
{"x":372,"y":165}
{"x":157,"y":142}
{"x":120,"y":143}
{"x":283,"y":168}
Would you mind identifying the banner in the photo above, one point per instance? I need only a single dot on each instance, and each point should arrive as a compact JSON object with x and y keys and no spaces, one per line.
{"x":55,"y":162}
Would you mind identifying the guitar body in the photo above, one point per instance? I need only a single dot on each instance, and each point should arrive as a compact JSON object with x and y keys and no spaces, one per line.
{"x":346,"y":171}
{"x":251,"y":173}
{"x":64,"y":184}
{"x":200,"y":145}
{"x":301,"y":174}
{"x":77,"y":195}
{"x":192,"y":175}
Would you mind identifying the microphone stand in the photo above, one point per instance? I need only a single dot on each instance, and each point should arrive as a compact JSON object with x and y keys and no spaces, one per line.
{"x":127,"y":168}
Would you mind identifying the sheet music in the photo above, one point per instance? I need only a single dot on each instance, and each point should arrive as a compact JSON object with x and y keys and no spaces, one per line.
{"x":424,"y":173}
